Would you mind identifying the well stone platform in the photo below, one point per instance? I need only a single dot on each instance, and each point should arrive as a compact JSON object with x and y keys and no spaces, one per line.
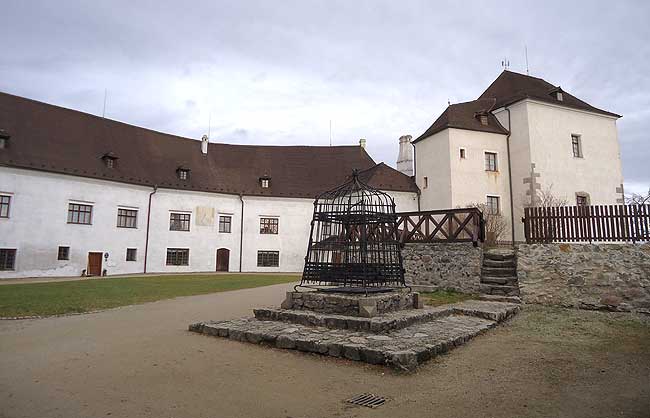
{"x":352,"y":304}
{"x":400,"y":339}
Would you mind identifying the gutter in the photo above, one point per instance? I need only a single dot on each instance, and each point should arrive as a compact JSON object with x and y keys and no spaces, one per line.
{"x":146,"y":243}
{"x":415,"y":171}
{"x":512,"y":205}
{"x":241,"y":231}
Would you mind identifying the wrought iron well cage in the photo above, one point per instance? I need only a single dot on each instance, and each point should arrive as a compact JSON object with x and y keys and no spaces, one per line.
{"x":353,"y":244}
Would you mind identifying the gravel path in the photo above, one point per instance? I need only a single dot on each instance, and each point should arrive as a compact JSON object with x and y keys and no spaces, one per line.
{"x":140,"y":361}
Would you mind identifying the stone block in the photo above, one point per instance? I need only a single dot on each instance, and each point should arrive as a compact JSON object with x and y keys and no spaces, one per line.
{"x":288,"y":301}
{"x":367,"y":308}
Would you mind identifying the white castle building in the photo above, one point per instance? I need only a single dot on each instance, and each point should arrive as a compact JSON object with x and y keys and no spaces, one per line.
{"x":80,"y":194}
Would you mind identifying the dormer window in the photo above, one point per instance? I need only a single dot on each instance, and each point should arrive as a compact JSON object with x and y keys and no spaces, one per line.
{"x":482,"y":117}
{"x":4,"y":139}
{"x":265,"y":182}
{"x":558,"y":96}
{"x":183,"y":173}
{"x":557,"y":93}
{"x":110,"y":160}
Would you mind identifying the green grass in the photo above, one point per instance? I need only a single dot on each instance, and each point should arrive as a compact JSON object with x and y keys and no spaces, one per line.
{"x":88,"y":295}
{"x":443,"y":297}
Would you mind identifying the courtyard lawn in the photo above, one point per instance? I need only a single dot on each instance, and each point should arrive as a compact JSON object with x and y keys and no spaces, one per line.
{"x":443,"y":297}
{"x":54,"y":298}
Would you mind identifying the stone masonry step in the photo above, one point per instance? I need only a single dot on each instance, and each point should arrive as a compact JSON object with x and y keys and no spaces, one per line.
{"x":403,"y":349}
{"x":384,"y":323}
{"x":498,"y":271}
{"x":499,"y":298}
{"x":499,"y":263}
{"x":505,"y":281}
{"x":490,"y":289}
{"x":498,"y":256}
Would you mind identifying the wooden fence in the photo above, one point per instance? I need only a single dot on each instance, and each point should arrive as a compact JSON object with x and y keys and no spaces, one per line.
{"x":587,"y":223}
{"x":449,"y":225}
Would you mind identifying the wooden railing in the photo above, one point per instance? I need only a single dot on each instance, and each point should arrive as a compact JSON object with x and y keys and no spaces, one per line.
{"x":449,"y":225}
{"x":587,"y":223}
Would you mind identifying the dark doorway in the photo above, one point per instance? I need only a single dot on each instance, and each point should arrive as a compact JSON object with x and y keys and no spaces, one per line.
{"x":94,"y":264}
{"x":223,"y":259}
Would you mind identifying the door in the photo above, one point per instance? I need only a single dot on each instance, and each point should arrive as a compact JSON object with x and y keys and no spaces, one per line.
{"x":94,"y":264}
{"x":223,"y":259}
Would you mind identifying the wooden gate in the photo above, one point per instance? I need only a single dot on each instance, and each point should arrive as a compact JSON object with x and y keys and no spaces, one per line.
{"x":94,"y":264}
{"x":223,"y":259}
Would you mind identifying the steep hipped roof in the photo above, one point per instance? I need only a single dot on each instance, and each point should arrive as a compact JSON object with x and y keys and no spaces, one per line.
{"x":464,"y":116}
{"x":511,"y":87}
{"x":384,"y":177}
{"x":51,"y":138}
{"x":508,"y":88}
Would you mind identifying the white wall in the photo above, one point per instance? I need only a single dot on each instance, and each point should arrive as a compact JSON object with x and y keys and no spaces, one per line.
{"x":37,"y":226}
{"x":432,"y":161}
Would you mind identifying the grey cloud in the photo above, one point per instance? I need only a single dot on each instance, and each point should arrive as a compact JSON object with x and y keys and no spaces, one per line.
{"x":281,"y":70}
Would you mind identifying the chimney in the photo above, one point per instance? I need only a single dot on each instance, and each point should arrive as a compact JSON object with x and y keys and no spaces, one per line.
{"x":204,"y":145}
{"x":405,"y":157}
{"x":362,"y":143}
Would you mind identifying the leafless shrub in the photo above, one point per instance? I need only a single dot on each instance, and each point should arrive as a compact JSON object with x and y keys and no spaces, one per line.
{"x":495,"y":224}
{"x":638,"y":199}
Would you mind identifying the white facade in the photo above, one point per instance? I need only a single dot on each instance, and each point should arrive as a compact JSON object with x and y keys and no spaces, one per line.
{"x":38,"y":225}
{"x":541,"y":137}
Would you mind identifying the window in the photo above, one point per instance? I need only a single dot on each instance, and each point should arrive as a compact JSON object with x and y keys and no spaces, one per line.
{"x":7,"y":259}
{"x":265,"y":182}
{"x":490,"y":161}
{"x":492,"y":205}
{"x":559,"y":96}
{"x":179,"y":221}
{"x":463,"y":153}
{"x":582,"y":199}
{"x":483,"y":119}
{"x":224,"y":224}
{"x":79,"y":214}
{"x":576,"y":145}
{"x":132,"y":253}
{"x":4,"y":139}
{"x":268,"y":226}
{"x":183,"y":173}
{"x":5,"y":202}
{"x":64,"y":253}
{"x":426,"y":182}
{"x":268,"y":258}
{"x":127,"y":218}
{"x":178,"y":256}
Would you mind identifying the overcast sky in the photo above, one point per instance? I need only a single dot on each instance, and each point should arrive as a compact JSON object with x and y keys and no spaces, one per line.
{"x":276,"y":72}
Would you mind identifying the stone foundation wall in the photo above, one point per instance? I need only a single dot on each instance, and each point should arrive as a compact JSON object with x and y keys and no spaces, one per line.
{"x":352,"y":305}
{"x":589,"y":276}
{"x":455,"y":266}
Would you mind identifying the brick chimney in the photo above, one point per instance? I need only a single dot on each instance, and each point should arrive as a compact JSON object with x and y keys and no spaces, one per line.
{"x":405,"y":157}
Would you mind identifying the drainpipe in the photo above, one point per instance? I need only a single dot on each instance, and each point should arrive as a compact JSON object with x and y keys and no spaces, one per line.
{"x":512,"y":204}
{"x":241,"y":230}
{"x":146,"y":242}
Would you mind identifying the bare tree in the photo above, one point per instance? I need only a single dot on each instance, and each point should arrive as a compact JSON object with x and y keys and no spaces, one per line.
{"x":495,"y":224}
{"x":546,"y":198}
{"x":638,"y":199}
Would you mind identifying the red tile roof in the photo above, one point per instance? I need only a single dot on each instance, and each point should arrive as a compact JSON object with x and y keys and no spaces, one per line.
{"x":51,"y":138}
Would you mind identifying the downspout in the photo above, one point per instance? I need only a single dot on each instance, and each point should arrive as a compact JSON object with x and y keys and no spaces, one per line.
{"x":512,"y":204}
{"x":146,"y":242}
{"x":415,"y":171}
{"x":241,"y":231}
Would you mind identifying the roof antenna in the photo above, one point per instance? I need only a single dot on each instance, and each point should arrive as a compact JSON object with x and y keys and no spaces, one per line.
{"x":330,"y":132}
{"x":505,"y":64}
{"x":448,"y":102}
{"x":104,"y":110}
{"x":526,"y":51}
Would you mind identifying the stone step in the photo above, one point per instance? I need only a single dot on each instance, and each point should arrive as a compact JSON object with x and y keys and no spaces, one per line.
{"x":498,"y":256}
{"x":402,"y":349}
{"x":508,"y":281}
{"x":490,"y":289}
{"x":378,"y":324}
{"x":387,"y":322}
{"x":499,"y":298}
{"x":499,"y":263}
{"x":498,"y":271}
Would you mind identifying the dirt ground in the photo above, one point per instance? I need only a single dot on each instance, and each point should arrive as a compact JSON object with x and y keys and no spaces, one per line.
{"x":140,"y":361}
